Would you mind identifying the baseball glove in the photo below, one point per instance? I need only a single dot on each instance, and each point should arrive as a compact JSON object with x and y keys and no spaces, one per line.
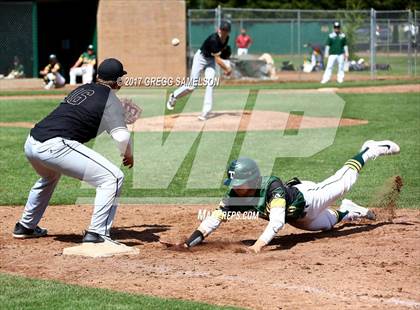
{"x":131,"y":111}
{"x":226,"y":52}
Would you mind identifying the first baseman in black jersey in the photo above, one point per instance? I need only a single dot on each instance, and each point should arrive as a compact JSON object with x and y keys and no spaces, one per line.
{"x":205,"y":59}
{"x":55,"y":147}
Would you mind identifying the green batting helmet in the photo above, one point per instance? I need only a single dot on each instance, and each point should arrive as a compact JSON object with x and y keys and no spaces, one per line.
{"x":242,"y":171}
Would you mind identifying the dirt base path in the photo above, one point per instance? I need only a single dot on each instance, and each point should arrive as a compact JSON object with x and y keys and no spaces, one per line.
{"x":239,"y":120}
{"x":372,"y":265}
{"x":228,"y":121}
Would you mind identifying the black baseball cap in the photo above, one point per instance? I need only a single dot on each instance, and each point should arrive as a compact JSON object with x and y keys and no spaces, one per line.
{"x":337,"y":25}
{"x":225,"y":25}
{"x":110,"y":69}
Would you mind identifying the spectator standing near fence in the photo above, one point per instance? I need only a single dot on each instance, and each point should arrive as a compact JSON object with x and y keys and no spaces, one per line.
{"x":336,"y":50}
{"x":243,"y":42}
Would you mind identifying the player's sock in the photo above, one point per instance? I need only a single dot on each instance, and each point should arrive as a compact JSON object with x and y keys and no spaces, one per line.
{"x":357,"y":162}
{"x":340,"y":215}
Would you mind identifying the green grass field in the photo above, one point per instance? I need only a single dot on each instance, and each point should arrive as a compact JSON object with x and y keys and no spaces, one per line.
{"x":391,"y":116}
{"x":24,"y":293}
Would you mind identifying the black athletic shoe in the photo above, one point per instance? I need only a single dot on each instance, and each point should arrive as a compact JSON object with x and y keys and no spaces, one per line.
{"x":21,"y":232}
{"x":93,"y":237}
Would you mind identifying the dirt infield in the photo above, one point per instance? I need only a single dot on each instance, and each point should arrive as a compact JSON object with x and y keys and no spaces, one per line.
{"x":17,"y":124}
{"x":228,"y":121}
{"x":239,"y":120}
{"x":367,"y":265}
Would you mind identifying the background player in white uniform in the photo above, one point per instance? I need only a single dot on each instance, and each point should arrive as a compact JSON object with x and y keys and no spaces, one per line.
{"x":336,"y":50}
{"x":55,"y":147}
{"x":84,"y":67}
{"x":301,"y":204}
{"x":205,"y":59}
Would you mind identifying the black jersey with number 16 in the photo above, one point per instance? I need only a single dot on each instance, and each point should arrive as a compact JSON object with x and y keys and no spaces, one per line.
{"x":85,"y":113}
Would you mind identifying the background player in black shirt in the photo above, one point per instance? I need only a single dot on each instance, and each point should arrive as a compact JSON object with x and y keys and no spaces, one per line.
{"x":55,"y":147}
{"x":205,"y":59}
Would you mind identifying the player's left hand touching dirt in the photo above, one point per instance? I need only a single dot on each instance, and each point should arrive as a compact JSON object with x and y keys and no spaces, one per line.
{"x":256,"y":247}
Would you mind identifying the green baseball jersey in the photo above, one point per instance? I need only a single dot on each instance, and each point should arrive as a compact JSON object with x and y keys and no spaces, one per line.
{"x":88,"y":59}
{"x":336,"y":42}
{"x":56,"y":67}
{"x":271,"y":190}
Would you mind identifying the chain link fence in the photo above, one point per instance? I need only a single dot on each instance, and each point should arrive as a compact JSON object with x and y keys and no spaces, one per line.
{"x":380,"y":42}
{"x":18,"y":37}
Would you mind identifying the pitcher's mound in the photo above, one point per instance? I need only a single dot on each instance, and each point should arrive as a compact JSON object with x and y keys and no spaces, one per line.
{"x":105,"y":249}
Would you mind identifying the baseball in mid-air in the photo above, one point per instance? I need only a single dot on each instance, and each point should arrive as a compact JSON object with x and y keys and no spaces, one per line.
{"x":175,"y":42}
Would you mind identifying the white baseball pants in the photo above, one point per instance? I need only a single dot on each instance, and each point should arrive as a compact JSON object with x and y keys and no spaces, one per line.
{"x":58,"y":156}
{"x":320,"y":196}
{"x":58,"y":79}
{"x":242,"y":51}
{"x":200,"y":64}
{"x":330,"y":65}
{"x":85,"y":71}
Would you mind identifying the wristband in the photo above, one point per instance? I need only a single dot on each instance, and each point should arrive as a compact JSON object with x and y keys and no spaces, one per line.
{"x":196,"y":238}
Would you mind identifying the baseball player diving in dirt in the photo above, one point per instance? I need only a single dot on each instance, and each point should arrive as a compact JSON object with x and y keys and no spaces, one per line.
{"x":302,"y":204}
{"x":213,"y":51}
{"x":55,"y":147}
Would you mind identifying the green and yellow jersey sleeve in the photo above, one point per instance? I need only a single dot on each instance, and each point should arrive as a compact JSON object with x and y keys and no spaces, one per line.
{"x":47,"y":68}
{"x":278,"y":201}
{"x":56,"y":68}
{"x":87,"y":59}
{"x":278,"y":195}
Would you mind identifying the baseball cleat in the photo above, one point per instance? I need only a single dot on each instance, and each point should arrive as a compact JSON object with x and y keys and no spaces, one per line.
{"x":93,"y":237}
{"x":202,"y":118}
{"x":21,"y":232}
{"x":49,"y":85}
{"x":373,"y":149}
{"x":355,"y":212}
{"x":170,"y":104}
